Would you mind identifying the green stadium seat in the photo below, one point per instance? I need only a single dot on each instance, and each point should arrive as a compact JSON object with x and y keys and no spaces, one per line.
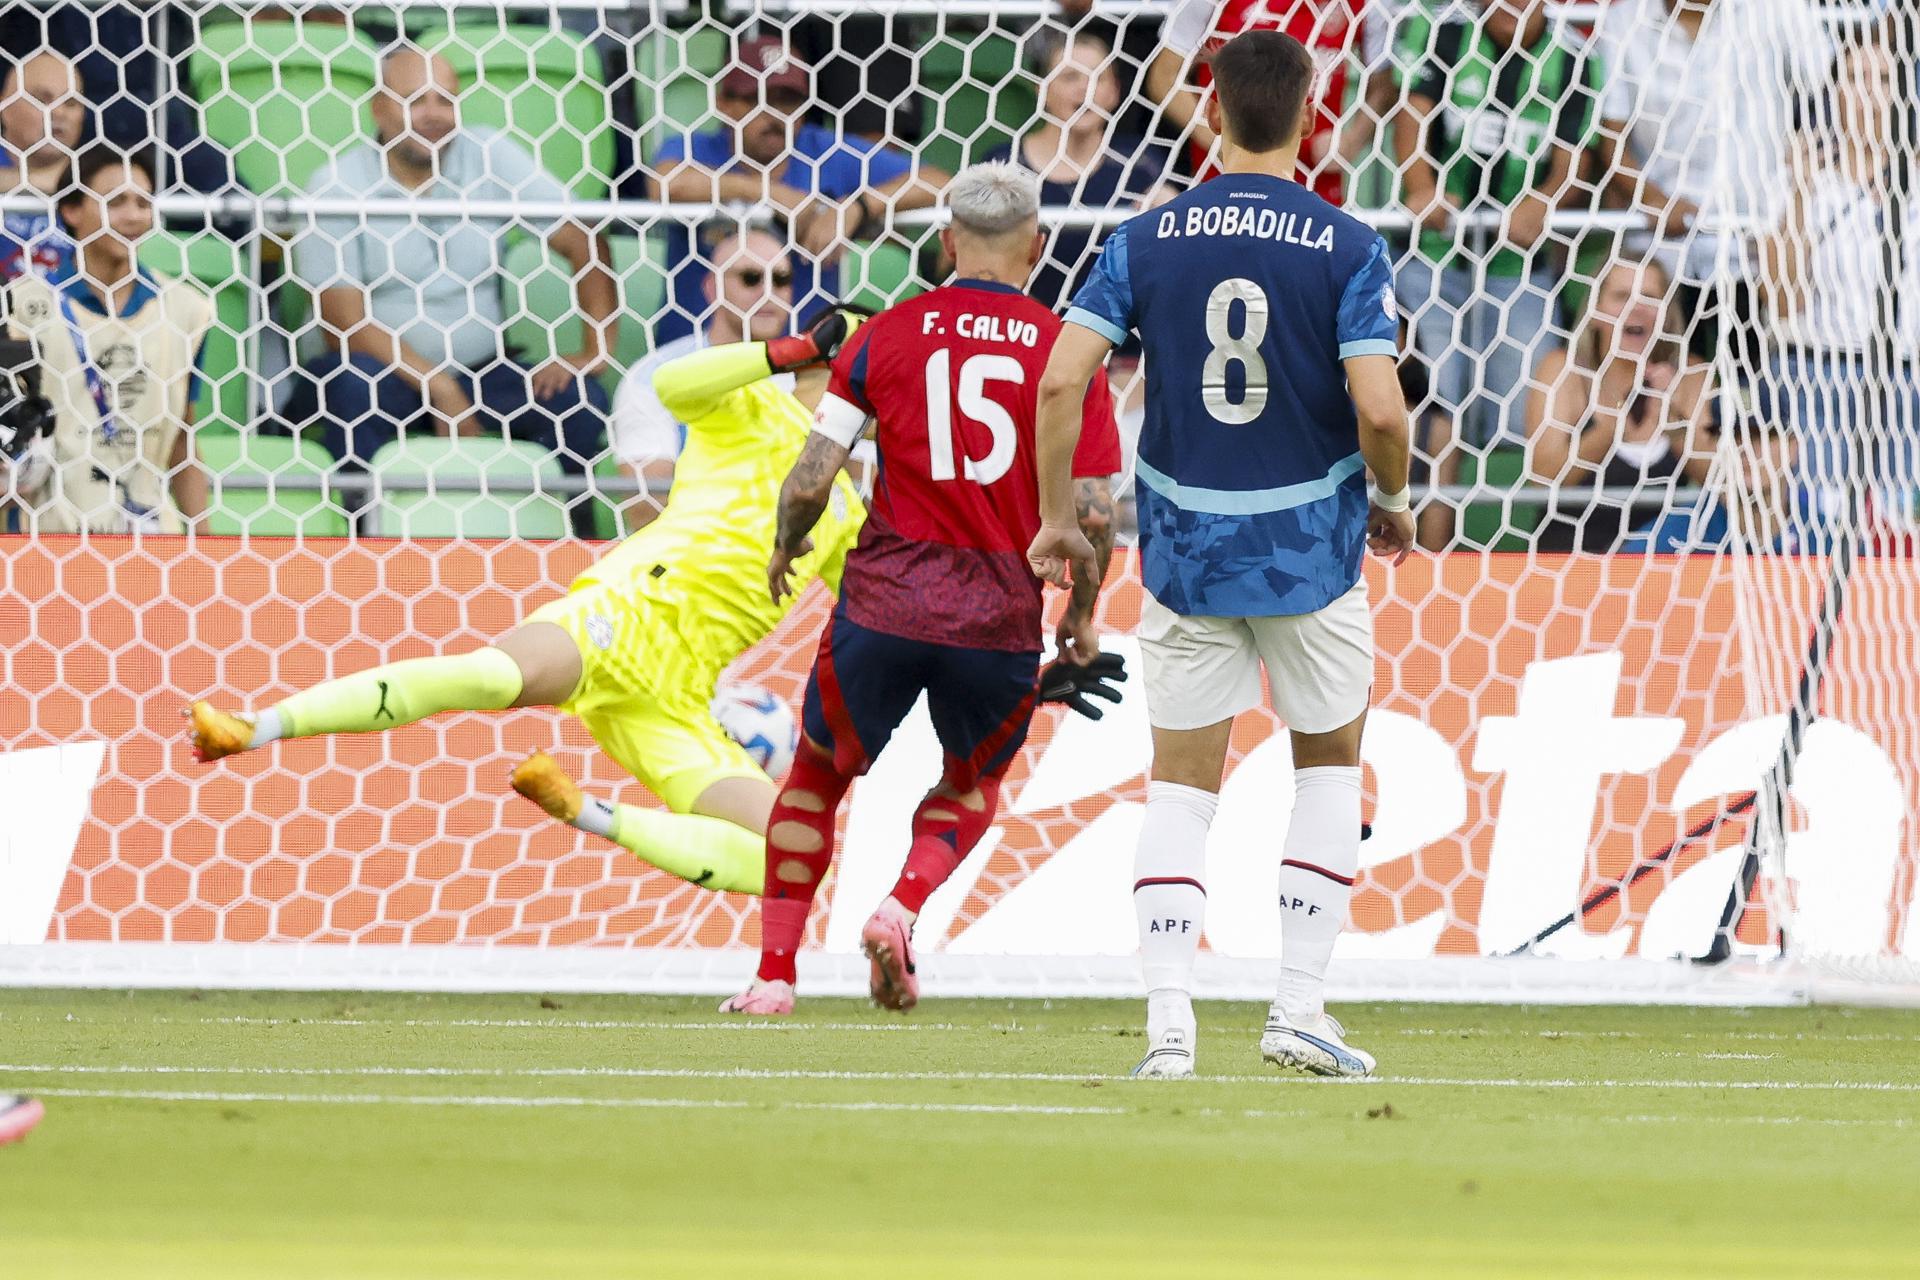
{"x":282,"y":97}
{"x":297,"y":509}
{"x":1490,"y":523}
{"x":608,"y":523}
{"x":546,"y":88}
{"x":979,"y":98}
{"x":220,"y":267}
{"x":497,"y":489}
{"x":879,"y":274}
{"x":539,"y":300}
{"x":674,"y":74}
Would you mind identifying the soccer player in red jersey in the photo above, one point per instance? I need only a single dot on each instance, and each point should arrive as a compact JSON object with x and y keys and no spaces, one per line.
{"x":1329,"y":28}
{"x":937,"y":596}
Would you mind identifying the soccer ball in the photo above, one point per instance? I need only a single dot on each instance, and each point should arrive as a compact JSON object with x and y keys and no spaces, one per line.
{"x":761,"y":723}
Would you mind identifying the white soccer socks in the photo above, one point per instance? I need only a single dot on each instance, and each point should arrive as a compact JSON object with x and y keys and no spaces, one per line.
{"x":1322,"y":855}
{"x":1170,"y":902}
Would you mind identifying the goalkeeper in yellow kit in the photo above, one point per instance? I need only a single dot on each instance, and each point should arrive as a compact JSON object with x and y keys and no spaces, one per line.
{"x":636,"y":645}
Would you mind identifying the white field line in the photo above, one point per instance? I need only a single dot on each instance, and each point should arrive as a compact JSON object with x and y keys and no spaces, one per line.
{"x":750,"y":1073}
{"x":600,"y":1024}
{"x":726,"y":1104}
{"x":1863,"y":1122}
{"x":511,"y":1100}
{"x":995,"y":1028}
{"x":1780,"y":1037}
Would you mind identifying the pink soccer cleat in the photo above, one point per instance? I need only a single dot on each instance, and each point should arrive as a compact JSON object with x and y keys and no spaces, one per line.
{"x":888,"y":942}
{"x":763,"y":999}
{"x":18,"y":1116}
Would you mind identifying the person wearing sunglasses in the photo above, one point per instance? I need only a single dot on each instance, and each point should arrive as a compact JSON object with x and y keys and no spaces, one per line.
{"x":830,"y":188}
{"x":748,"y":298}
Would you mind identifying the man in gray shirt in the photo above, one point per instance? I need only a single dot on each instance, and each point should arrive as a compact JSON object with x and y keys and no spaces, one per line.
{"x":409,"y":304}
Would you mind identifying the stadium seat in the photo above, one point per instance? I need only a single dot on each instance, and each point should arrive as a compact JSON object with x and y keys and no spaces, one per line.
{"x":978,"y":96}
{"x":282,"y":97}
{"x":298,"y":509}
{"x":1492,"y":523}
{"x":608,"y":523}
{"x":220,"y":267}
{"x":539,"y":300}
{"x":544,"y":86}
{"x":879,"y":274}
{"x":674,"y":72}
{"x":493,"y":489}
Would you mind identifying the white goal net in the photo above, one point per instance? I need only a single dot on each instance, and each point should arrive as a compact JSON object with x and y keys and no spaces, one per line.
{"x":373,"y":381}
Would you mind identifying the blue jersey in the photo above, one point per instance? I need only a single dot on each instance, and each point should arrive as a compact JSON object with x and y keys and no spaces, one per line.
{"x":1247,"y":293}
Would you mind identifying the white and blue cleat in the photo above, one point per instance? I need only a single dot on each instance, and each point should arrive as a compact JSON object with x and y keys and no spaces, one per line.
{"x":1170,"y":1058}
{"x":1319,"y":1047}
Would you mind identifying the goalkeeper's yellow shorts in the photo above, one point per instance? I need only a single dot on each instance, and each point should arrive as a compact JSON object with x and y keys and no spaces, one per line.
{"x":644,"y":697}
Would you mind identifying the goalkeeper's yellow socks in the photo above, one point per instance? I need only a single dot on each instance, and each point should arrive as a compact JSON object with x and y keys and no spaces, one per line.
{"x":396,"y":694}
{"x":710,"y":852}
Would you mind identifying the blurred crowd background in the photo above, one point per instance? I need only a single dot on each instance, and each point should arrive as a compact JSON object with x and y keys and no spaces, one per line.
{"x":408,"y":269}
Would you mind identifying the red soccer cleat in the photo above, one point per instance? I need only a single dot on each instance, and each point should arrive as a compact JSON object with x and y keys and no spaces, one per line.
{"x":888,"y":942}
{"x":18,"y":1116}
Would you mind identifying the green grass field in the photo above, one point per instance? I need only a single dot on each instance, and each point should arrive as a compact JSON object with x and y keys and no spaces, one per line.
{"x":265,"y":1134}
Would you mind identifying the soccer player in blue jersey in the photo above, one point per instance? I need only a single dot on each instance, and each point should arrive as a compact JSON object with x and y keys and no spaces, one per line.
{"x":1268,"y":321}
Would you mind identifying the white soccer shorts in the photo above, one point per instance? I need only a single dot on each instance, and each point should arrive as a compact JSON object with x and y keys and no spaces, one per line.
{"x":1202,"y":670}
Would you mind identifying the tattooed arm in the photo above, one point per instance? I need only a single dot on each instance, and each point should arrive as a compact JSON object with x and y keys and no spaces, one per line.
{"x":802,"y":498}
{"x":1093,"y":505}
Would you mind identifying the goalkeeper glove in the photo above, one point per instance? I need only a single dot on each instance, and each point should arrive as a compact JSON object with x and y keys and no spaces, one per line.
{"x":1062,"y":681}
{"x":818,"y":344}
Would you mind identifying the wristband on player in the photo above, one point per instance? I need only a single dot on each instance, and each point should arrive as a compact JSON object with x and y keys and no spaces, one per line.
{"x":1399,"y":501}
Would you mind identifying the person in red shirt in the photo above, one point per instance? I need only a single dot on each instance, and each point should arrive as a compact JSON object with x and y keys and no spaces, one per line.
{"x":937,"y":596}
{"x":1329,"y":28}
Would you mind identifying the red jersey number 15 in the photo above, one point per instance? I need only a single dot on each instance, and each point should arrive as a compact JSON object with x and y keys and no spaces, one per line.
{"x":970,"y":392}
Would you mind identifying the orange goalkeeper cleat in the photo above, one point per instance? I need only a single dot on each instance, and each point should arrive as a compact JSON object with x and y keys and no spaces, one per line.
{"x":541,"y":779}
{"x":217,"y":733}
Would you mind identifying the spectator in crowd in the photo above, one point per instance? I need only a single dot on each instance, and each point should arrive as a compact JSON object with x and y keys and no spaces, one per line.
{"x":1330,"y":29}
{"x":1625,"y":407}
{"x":119,"y":350}
{"x":1134,"y":37}
{"x":410,"y":305}
{"x":750,"y":298}
{"x":1366,"y":136}
{"x":1822,"y":281}
{"x":1080,"y":163}
{"x":864,"y":73}
{"x":41,"y":119}
{"x":1497,"y":108}
{"x":832,"y":189}
{"x":118,"y":50}
{"x":1755,"y":502}
{"x":1665,"y":140}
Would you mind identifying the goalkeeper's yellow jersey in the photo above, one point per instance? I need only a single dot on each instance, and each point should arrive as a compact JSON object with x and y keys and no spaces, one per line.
{"x":704,"y":558}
